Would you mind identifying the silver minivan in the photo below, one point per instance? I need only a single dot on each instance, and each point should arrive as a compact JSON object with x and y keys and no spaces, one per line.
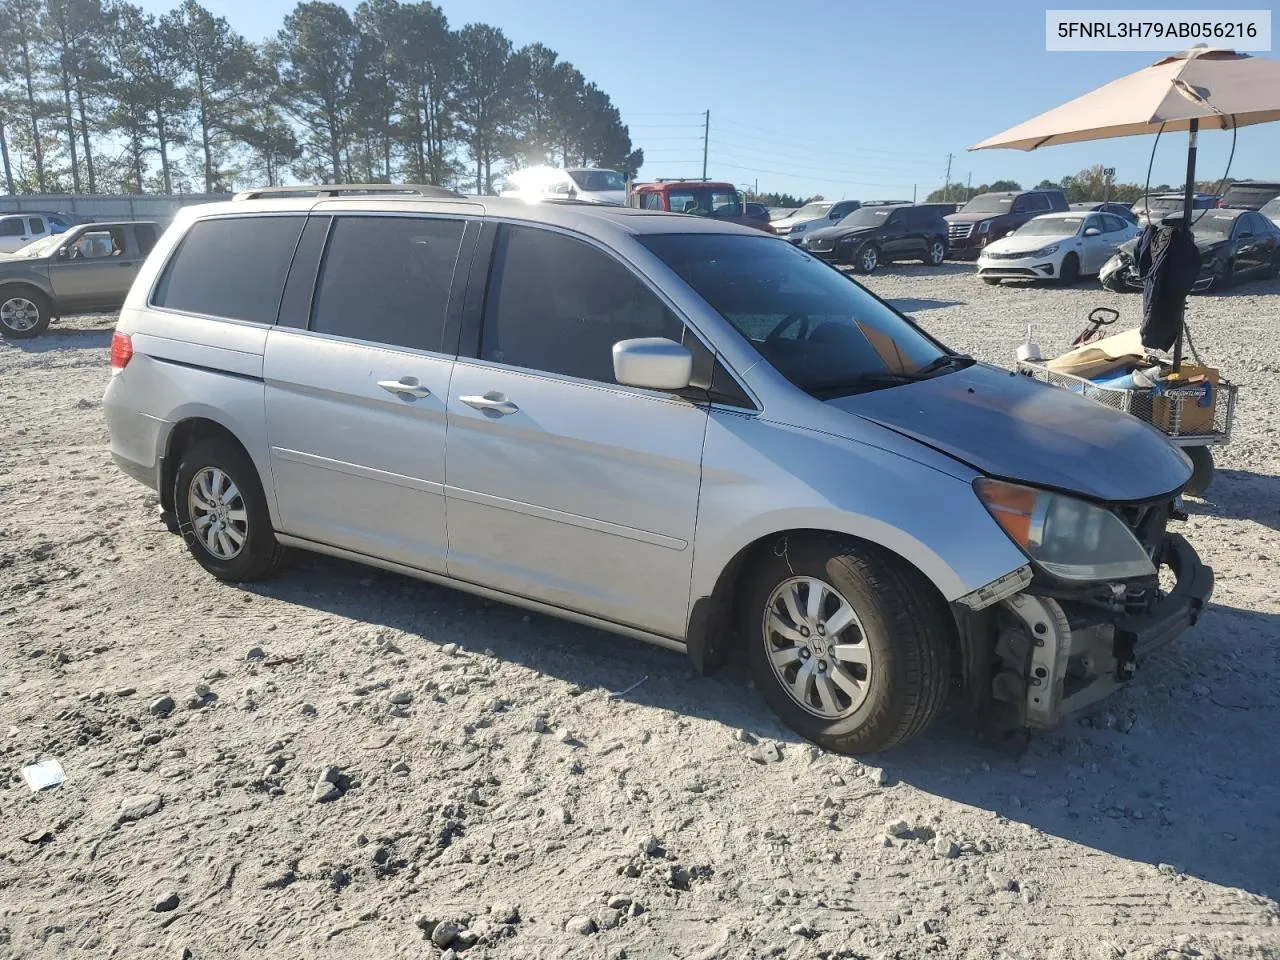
{"x":668,"y":427}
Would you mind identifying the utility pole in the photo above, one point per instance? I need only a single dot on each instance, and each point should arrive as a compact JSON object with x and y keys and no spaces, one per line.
{"x":946,"y":190}
{"x":913,"y":194}
{"x":706,"y":132}
{"x":968,"y":189}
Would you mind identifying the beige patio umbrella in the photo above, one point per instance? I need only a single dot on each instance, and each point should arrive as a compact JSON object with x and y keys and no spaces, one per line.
{"x":1202,"y":86}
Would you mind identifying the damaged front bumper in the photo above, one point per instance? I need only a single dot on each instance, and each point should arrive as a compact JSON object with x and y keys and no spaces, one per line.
{"x":1052,"y":654}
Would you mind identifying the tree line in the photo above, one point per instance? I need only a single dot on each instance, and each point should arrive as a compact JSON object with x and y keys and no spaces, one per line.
{"x":97,"y":96}
{"x":1089,"y":184}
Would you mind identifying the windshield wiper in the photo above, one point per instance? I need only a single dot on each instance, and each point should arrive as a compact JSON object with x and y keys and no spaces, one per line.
{"x":871,"y":381}
{"x":957,"y":360}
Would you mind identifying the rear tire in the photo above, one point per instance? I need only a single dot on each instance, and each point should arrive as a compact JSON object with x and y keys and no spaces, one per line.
{"x":872,"y":682}
{"x":25,"y":312}
{"x":222,"y":512}
{"x":1202,"y":470}
{"x":1070,"y":272}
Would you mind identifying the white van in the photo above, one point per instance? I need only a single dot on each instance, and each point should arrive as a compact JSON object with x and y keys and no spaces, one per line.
{"x":588,"y":185}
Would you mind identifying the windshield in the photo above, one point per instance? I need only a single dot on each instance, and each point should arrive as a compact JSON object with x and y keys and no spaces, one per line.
{"x":39,"y":247}
{"x":1211,"y":224}
{"x":1050,"y":227}
{"x":988,"y":203}
{"x":817,"y":327}
{"x":867,"y":217}
{"x":598,"y":180}
{"x":705,"y":201}
{"x":1165,"y":204}
{"x":812,"y":210}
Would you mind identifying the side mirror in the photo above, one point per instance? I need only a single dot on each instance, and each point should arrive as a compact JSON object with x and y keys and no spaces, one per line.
{"x":654,"y":363}
{"x":63,"y":253}
{"x":1245,"y":235}
{"x":572,"y":193}
{"x":834,"y":216}
{"x":1092,"y":231}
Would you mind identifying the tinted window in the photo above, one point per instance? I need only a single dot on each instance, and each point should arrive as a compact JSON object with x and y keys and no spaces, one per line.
{"x":37,"y":224}
{"x":233,"y":267}
{"x":1036,"y":203}
{"x":146,"y":236}
{"x":13,"y":228}
{"x":651,"y":201}
{"x":1113,"y":222}
{"x":387,"y":279}
{"x":559,"y":305}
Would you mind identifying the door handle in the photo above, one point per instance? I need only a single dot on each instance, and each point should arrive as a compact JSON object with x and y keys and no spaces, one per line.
{"x":491,"y":402}
{"x":407,"y":388}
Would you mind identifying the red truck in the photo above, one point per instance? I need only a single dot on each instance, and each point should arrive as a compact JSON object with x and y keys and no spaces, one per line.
{"x":703,"y":198}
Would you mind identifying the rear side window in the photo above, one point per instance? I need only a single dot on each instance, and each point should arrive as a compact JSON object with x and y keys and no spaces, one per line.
{"x":37,"y":225}
{"x":559,"y":305}
{"x":233,"y":267}
{"x":651,"y":201}
{"x":387,"y":279}
{"x":15,"y":227}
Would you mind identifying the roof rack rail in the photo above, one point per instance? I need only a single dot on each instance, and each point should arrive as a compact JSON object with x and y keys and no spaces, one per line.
{"x":347,"y":189}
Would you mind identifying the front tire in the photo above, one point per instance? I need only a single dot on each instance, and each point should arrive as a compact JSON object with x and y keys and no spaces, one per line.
{"x":847,"y":644}
{"x":1069,"y":273}
{"x":867,"y":259}
{"x":936,"y":253}
{"x":24,"y":313}
{"x":991,"y":281}
{"x":222,"y":512}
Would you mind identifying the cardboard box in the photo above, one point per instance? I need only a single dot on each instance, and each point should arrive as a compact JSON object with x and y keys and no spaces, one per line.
{"x":1187,"y":415}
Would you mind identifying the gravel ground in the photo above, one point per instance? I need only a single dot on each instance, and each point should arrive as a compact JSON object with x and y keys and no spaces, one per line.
{"x":344,"y":762}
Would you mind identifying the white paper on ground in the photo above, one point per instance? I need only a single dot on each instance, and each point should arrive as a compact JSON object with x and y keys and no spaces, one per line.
{"x":46,"y":773}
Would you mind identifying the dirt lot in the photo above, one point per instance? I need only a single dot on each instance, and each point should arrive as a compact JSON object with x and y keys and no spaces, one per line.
{"x":554,"y":791}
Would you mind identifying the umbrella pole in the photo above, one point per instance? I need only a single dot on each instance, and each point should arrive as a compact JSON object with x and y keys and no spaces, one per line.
{"x":1188,"y":205}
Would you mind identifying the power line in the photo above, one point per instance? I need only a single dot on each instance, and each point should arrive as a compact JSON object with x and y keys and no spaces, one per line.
{"x":879,"y":165}
{"x":802,"y":169}
{"x":780,"y":173}
{"x":773,"y":138}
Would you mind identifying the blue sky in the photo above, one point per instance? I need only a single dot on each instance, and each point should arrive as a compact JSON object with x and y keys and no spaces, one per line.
{"x":855,"y":99}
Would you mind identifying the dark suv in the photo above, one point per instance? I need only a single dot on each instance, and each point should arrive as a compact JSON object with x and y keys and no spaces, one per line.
{"x":990,"y":216}
{"x":1250,"y":194}
{"x":874,"y":235}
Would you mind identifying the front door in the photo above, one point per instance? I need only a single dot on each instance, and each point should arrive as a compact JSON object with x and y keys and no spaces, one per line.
{"x":896,"y":240}
{"x":355,"y":393}
{"x":95,"y":271}
{"x":563,"y":486}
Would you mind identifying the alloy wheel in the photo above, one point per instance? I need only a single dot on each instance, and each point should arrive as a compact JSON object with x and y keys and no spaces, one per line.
{"x":817,"y":647}
{"x":19,"y":314}
{"x":218,"y":513}
{"x":869,"y":259}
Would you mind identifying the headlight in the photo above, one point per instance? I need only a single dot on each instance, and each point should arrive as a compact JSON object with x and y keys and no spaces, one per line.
{"x":1067,"y":537}
{"x":1045,"y":251}
{"x":984,"y":226}
{"x":798,"y":227}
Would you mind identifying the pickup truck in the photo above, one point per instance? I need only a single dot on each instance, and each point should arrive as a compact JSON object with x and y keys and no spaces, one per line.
{"x":87,"y":269}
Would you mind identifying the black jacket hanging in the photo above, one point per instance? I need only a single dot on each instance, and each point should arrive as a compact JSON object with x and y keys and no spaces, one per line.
{"x":1168,"y":264}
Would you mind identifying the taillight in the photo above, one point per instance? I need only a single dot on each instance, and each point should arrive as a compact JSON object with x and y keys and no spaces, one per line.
{"x":121,"y":351}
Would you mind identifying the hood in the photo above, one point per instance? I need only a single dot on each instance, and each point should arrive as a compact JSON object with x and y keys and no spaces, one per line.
{"x":840,"y":233}
{"x":973,"y":217}
{"x":786,"y":223}
{"x":1026,"y":243}
{"x":1015,"y":428}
